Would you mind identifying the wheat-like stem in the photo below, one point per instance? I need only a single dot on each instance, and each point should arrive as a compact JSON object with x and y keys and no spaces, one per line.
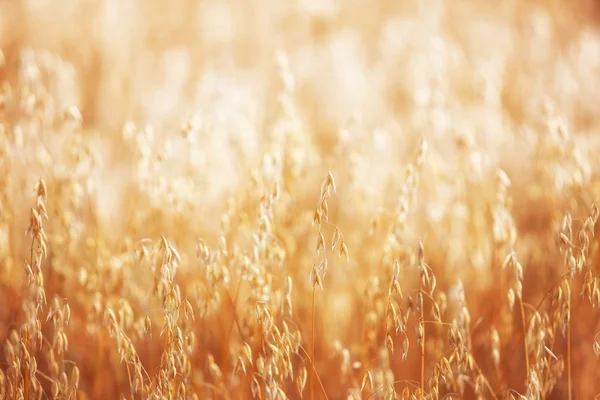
{"x":525,"y":347}
{"x":312,"y":360}
{"x":539,"y":305}
{"x":569,"y":377}
{"x":318,"y":379}
{"x":234,"y":321}
{"x":422,"y":322}
{"x":26,"y":384}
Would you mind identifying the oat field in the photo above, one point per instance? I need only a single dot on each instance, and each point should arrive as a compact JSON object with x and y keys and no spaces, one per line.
{"x":303,"y":199}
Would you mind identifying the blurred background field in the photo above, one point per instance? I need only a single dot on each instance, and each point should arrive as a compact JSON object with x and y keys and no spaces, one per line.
{"x":214,"y":128}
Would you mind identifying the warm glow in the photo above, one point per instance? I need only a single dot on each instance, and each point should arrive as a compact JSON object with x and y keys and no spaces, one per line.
{"x":302,"y":198}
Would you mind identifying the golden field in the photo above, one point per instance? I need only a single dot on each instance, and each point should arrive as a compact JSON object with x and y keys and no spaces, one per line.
{"x":317,"y":199}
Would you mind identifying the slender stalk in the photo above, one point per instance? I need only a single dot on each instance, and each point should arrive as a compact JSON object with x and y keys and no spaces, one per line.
{"x":243,"y":386}
{"x":569,"y":356}
{"x":234,"y":321}
{"x":422,"y":322}
{"x":131,"y":383}
{"x":312,"y":360}
{"x":317,"y":378}
{"x":27,"y":339}
{"x":26,"y":391}
{"x":525,"y":337}
{"x":541,"y":302}
{"x":486,"y":383}
{"x":545,"y":378}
